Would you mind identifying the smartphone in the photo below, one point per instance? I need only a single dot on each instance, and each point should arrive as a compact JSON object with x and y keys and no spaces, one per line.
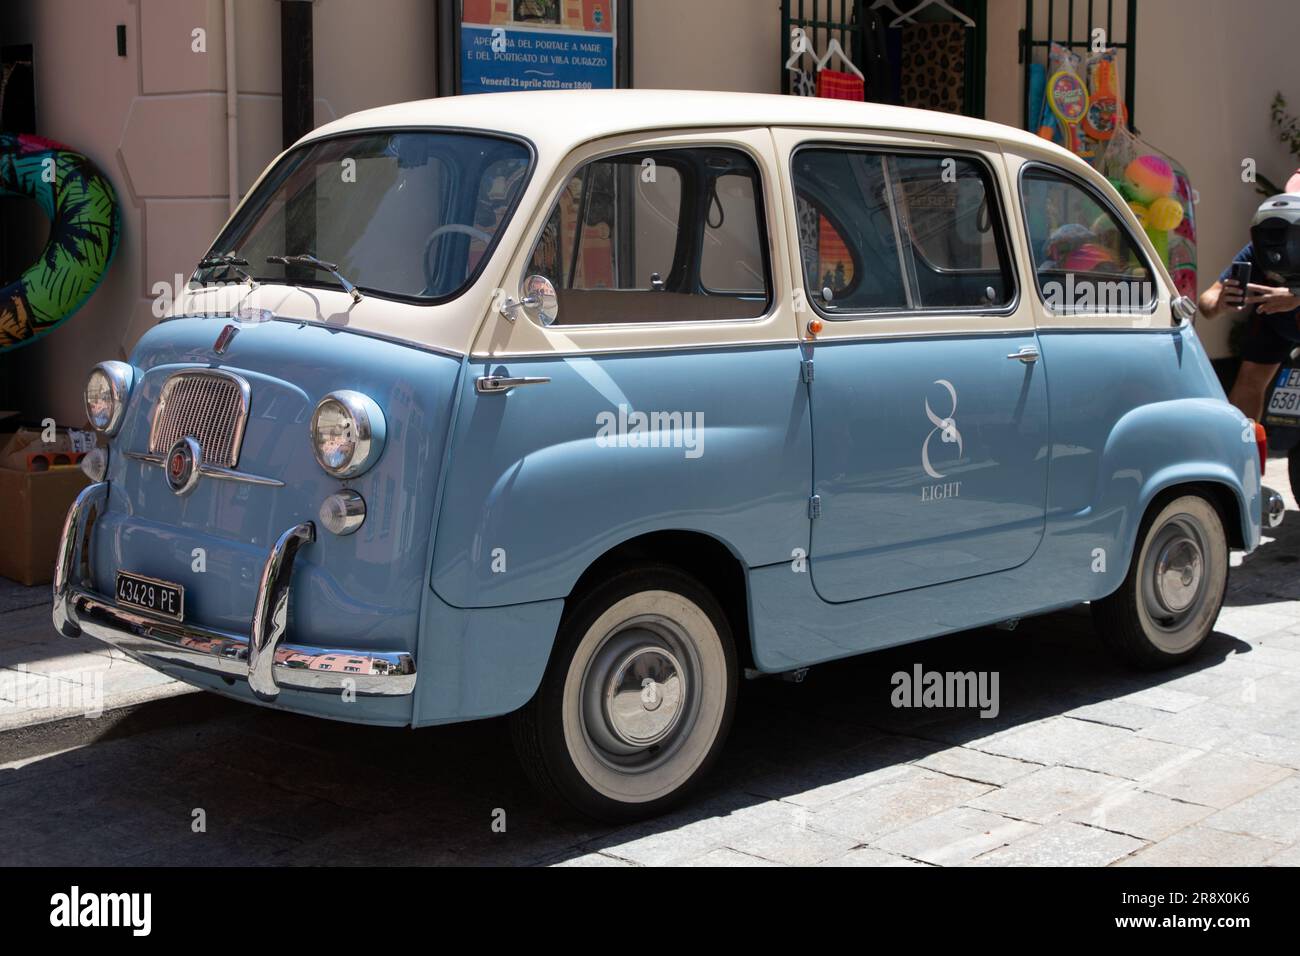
{"x":1241,"y":275}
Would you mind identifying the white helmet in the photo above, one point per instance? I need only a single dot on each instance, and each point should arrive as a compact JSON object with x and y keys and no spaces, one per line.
{"x":1275,"y":233}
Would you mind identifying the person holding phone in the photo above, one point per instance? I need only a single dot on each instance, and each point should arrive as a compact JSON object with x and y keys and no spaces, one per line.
{"x":1272,"y":322}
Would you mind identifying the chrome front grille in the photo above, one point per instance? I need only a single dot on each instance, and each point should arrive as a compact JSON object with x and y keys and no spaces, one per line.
{"x":207,"y":405}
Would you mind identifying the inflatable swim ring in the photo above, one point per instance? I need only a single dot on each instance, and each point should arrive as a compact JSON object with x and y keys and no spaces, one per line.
{"x":84,"y":227}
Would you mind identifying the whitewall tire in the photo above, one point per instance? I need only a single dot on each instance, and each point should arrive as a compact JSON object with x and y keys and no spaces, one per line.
{"x":637,"y":698}
{"x":1172,"y":595}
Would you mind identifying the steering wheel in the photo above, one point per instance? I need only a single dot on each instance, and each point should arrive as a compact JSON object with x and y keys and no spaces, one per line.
{"x":451,"y":227}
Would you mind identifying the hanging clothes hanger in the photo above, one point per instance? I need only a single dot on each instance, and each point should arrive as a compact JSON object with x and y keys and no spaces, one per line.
{"x":957,"y":14}
{"x":799,"y":48}
{"x":889,"y":5}
{"x":833,"y":48}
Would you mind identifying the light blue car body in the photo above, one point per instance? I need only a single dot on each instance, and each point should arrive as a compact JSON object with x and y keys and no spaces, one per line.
{"x":487,"y":512}
{"x":1097,"y":429}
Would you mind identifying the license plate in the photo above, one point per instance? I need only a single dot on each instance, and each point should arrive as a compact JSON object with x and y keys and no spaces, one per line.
{"x":149,"y":594}
{"x":1285,"y":404}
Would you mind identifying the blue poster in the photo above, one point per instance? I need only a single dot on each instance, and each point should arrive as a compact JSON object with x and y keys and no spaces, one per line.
{"x":496,"y":59}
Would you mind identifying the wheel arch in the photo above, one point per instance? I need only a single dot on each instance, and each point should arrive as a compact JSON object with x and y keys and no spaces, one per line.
{"x":1161,"y":449}
{"x":1218,"y":485}
{"x":705,"y":557}
{"x":1223,"y":493}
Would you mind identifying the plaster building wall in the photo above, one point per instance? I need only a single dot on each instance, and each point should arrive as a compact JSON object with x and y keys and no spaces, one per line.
{"x":155,"y":122}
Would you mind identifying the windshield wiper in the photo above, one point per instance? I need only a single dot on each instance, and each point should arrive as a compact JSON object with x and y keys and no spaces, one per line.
{"x":306,"y":259}
{"x":228,"y":261}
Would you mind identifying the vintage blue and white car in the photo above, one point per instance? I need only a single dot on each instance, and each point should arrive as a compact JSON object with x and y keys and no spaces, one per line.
{"x":580,"y":406}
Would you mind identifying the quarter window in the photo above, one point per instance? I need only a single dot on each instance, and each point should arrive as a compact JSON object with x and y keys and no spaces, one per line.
{"x":662,"y":236}
{"x":899,"y":232}
{"x":1085,"y":260}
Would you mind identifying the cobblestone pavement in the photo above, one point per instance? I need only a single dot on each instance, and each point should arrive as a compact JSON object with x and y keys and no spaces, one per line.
{"x":1087,"y":763}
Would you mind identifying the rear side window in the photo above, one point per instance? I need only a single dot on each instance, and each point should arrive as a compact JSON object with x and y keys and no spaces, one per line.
{"x":882,"y":232}
{"x":661,"y":236}
{"x":1085,"y":260}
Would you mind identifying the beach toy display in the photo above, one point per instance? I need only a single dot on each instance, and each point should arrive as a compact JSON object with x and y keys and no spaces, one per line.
{"x":1065,"y":99}
{"x":1077,"y":105}
{"x":85,"y":224}
{"x":1068,"y":99}
{"x":1105,"y":108}
{"x":1160,"y":194}
{"x":1148,"y":186}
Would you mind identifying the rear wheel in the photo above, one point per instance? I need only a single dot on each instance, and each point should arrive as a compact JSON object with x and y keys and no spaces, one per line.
{"x":1168,"y":603}
{"x":637,"y":699}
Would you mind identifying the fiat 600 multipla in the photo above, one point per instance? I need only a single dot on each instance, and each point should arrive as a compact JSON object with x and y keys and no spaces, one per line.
{"x":582,"y":406}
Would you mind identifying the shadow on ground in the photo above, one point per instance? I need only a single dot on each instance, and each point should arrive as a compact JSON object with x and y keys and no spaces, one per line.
{"x":281,"y":789}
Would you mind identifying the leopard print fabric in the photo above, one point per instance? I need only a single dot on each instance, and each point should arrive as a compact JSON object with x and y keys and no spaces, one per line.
{"x":934,"y":66}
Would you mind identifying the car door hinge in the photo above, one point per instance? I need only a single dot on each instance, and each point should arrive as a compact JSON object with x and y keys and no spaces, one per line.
{"x":815,"y":506}
{"x":806,"y":371}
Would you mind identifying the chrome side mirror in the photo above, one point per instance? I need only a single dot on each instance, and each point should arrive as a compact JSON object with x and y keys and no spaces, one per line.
{"x":1184,"y":309}
{"x":540,"y":300}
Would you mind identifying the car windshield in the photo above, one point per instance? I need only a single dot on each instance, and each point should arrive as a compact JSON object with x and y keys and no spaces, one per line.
{"x":404,"y":214}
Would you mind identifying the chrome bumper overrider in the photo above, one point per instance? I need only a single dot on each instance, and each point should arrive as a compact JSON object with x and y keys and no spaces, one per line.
{"x":260,"y":657}
{"x":1274,"y":508}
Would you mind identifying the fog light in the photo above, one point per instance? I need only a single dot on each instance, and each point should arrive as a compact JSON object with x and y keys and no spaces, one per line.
{"x":94,"y":465}
{"x":343,"y":512}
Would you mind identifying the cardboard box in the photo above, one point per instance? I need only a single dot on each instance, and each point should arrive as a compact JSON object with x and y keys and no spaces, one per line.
{"x":33,"y":504}
{"x":31,"y":520}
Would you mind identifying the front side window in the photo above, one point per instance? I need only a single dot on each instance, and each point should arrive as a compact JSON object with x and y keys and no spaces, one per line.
{"x":659,"y":236}
{"x":407,"y":214}
{"x":882,"y":232}
{"x":1085,"y":260}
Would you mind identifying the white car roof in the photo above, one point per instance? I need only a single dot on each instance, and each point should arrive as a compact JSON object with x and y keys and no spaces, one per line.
{"x":564,"y":118}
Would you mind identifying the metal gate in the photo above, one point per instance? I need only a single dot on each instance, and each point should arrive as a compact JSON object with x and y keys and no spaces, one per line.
{"x":858,"y":28}
{"x":1070,"y":23}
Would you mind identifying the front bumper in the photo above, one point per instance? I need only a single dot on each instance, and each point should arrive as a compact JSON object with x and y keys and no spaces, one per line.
{"x":260,"y":657}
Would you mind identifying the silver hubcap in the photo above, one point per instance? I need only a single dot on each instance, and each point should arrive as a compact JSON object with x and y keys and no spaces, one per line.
{"x":1178,"y":574}
{"x":638,"y":693}
{"x":1174,"y":582}
{"x":643,"y":699}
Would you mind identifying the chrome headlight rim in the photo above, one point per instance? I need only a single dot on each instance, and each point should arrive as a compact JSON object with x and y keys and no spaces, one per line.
{"x":368,"y":426}
{"x":121,"y":377}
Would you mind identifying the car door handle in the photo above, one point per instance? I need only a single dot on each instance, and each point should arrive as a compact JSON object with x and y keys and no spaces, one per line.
{"x":492,"y":384}
{"x":1027,"y":354}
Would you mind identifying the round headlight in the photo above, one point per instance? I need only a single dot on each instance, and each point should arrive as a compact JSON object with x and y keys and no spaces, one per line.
{"x":347,"y":433}
{"x":107,"y":390}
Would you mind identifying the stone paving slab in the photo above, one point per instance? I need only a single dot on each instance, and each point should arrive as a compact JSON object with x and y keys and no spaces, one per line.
{"x":1046,"y":795}
{"x":954,"y":836}
{"x":1217,"y":779}
{"x":890,"y":806}
{"x":1064,"y":844}
{"x":1202,"y":846}
{"x":1137,"y":813}
{"x":1271,"y":814}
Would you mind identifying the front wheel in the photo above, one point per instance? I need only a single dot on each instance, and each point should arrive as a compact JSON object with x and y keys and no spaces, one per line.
{"x":1168,"y":603}
{"x":637,"y":699}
